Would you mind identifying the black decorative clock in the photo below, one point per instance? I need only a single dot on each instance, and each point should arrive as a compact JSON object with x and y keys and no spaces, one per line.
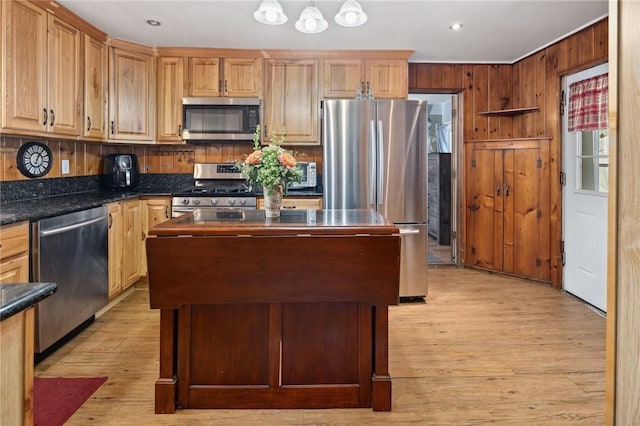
{"x":34,"y":159}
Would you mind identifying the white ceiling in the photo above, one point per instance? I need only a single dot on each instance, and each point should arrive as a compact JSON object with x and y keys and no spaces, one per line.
{"x":501,"y":31}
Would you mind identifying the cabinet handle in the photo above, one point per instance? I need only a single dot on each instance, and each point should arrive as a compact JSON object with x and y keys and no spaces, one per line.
{"x":219,"y":86}
{"x":506,"y":189}
{"x":110,"y":220}
{"x":88,"y":124}
{"x":142,"y":234}
{"x":112,"y":127}
{"x":367,"y":92}
{"x":166,"y":212}
{"x":46,"y":116}
{"x":498,"y":189}
{"x":225,"y":87}
{"x":179,"y":129}
{"x":53,"y":117}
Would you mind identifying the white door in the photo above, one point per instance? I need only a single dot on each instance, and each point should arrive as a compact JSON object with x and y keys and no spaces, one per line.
{"x":586,"y":164}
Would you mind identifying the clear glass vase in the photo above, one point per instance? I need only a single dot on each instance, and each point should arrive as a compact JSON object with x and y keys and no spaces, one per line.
{"x":272,"y":202}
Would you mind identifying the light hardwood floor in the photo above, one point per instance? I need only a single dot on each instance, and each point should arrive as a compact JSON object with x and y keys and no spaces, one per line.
{"x":483,"y":349}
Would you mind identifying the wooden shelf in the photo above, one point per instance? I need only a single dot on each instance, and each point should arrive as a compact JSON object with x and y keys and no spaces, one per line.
{"x":509,"y":112}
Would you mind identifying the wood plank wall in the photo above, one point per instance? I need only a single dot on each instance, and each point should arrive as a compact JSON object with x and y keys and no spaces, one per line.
{"x":534,"y":81}
{"x":85,"y":157}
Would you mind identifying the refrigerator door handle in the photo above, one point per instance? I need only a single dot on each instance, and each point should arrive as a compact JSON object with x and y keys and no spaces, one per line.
{"x":372,"y":163}
{"x":409,"y":231}
{"x":381,"y":164}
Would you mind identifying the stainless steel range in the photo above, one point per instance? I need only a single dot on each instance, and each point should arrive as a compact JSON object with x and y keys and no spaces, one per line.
{"x":218,"y":187}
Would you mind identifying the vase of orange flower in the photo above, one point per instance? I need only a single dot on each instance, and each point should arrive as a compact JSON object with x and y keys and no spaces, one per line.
{"x":271,"y":167}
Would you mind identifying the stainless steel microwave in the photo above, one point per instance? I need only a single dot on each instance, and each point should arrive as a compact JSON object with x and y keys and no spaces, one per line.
{"x":220,"y":119}
{"x":309,"y":175}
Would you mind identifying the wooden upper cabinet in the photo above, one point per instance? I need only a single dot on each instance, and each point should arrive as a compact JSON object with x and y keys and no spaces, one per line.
{"x":131,"y":95}
{"x":232,"y":77}
{"x":95,"y":89}
{"x":170,"y":88}
{"x":291,"y":100}
{"x":41,"y":71}
{"x":387,"y":78}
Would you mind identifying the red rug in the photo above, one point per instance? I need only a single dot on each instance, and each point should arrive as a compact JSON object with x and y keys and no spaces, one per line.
{"x":55,"y":399}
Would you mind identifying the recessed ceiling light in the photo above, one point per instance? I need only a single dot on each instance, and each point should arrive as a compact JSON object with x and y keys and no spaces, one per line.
{"x":455,"y":26}
{"x":154,"y":23}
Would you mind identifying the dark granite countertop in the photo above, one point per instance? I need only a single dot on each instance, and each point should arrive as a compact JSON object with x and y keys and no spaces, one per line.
{"x":15,"y":298}
{"x":41,"y":208}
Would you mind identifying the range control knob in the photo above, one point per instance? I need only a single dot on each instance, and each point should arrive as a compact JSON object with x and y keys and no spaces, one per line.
{"x":214,"y":201}
{"x":196,"y":201}
{"x":232,"y":202}
{"x":185,"y":201}
{"x":243,"y":202}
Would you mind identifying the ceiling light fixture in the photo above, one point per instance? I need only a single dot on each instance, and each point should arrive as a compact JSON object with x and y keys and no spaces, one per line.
{"x":153,"y":22}
{"x":311,"y":21}
{"x":455,"y":26}
{"x":270,"y":13}
{"x":351,"y":14}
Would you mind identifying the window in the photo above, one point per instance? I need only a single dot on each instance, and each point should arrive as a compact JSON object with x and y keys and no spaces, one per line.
{"x":593,"y":160}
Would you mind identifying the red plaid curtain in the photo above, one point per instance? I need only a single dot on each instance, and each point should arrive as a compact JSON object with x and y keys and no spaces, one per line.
{"x":589,"y":104}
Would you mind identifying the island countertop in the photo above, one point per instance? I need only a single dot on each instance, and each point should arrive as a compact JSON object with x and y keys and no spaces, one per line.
{"x":290,"y":222}
{"x":15,"y":298}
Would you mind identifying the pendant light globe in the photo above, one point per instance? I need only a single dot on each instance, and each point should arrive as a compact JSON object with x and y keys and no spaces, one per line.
{"x":270,"y":13}
{"x":311,"y":21}
{"x":351,"y":14}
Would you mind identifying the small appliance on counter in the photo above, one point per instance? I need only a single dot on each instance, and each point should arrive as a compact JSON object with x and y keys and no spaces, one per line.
{"x":120,"y":171}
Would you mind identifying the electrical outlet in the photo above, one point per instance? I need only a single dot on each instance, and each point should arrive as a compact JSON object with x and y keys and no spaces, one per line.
{"x":65,"y":167}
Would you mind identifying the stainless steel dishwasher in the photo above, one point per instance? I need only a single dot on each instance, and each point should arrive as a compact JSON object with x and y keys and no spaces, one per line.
{"x":70,"y":250}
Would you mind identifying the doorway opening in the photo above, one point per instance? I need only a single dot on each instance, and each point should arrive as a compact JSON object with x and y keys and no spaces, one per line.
{"x":442,"y":137}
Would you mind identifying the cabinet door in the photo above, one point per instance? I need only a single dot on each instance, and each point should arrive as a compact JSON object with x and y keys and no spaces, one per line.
{"x":341,"y":78}
{"x":131,"y":96}
{"x":64,"y":77}
{"x":170,"y":91}
{"x":14,"y":253}
{"x":132,"y":219}
{"x":388,"y":78}
{"x":116,"y":248}
{"x":156,"y":210}
{"x":95,"y":89}
{"x":484,"y":208}
{"x":291,"y":100}
{"x":242,"y":77}
{"x":203,"y":77}
{"x":24,"y":38}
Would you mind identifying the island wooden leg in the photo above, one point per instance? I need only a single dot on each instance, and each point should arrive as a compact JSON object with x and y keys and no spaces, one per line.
{"x":166,"y":385}
{"x":381,"y":387}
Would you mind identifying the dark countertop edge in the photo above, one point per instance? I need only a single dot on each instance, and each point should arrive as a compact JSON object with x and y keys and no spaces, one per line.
{"x":18,"y":297}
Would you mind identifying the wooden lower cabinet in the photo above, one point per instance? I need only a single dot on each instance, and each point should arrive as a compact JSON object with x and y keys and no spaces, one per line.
{"x":133,"y":241}
{"x":296,"y":203}
{"x":14,"y":253}
{"x":507,"y":207}
{"x":156,"y":210}
{"x":116,"y":246}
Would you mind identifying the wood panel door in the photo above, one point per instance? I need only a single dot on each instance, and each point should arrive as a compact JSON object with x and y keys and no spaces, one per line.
{"x":133,"y":239}
{"x":64,"y":77}
{"x":155,"y":211}
{"x":387,"y":78}
{"x":341,"y":78}
{"x":242,"y":77}
{"x":291,"y":100}
{"x":24,"y":66}
{"x":203,"y":78}
{"x":131,"y":96}
{"x":507,"y":215}
{"x":116,"y":248}
{"x":95,"y":89}
{"x":170,"y":88}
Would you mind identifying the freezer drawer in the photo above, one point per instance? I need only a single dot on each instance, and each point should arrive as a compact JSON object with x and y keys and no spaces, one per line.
{"x":413,"y":260}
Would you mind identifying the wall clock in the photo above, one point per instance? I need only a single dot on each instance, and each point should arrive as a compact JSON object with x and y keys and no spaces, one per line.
{"x":34,"y":159}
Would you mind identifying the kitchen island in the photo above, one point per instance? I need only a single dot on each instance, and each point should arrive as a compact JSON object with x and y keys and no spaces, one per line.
{"x":287,"y":313}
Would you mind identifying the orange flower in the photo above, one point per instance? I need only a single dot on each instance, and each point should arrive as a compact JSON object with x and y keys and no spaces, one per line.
{"x":254,"y":157}
{"x":287,"y":160}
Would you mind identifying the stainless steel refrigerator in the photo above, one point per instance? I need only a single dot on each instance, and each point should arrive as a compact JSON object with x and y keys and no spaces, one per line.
{"x":375,"y":157}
